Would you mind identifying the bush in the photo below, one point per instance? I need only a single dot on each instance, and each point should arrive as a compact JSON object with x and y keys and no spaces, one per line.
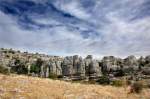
{"x":53,"y":76}
{"x":91,"y":82}
{"x":59,"y":76}
{"x":104,"y":80}
{"x":148,"y":86}
{"x":118,"y":83}
{"x":136,"y":87}
{"x":34,"y":69}
{"x":119,"y":73}
{"x":21,"y":69}
{"x":4,"y":70}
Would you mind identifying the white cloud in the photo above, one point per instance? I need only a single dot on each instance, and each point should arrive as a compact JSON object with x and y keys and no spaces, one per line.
{"x":126,"y":37}
{"x":45,"y":40}
{"x":74,"y":8}
{"x":118,"y":35}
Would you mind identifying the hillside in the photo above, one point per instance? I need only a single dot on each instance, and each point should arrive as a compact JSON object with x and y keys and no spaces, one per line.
{"x":24,"y":87}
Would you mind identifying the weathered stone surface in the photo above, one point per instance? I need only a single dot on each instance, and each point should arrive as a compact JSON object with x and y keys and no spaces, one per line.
{"x":110,"y":63}
{"x":76,"y":62}
{"x":81,"y":67}
{"x":53,"y":69}
{"x":147,"y":59}
{"x":94,"y":69}
{"x":73,"y":67}
{"x":131,"y":64}
{"x":131,"y":61}
{"x":141,"y":59}
{"x":78,"y":66}
{"x":44,"y":72}
{"x":146,"y":70}
{"x":67,"y":66}
{"x":88,"y":61}
{"x":58,"y":67}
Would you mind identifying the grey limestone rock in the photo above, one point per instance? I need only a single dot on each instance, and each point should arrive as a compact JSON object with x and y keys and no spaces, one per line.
{"x":67,"y":66}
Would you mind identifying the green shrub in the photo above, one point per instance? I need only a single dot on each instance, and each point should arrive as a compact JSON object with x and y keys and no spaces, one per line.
{"x":104,"y":80}
{"x":118,"y":83}
{"x":119,"y":73}
{"x":136,"y":87}
{"x":20,"y":69}
{"x":34,"y":68}
{"x":39,"y":62}
{"x":59,"y":76}
{"x":92,"y":82}
{"x":4,"y":70}
{"x":53,"y":76}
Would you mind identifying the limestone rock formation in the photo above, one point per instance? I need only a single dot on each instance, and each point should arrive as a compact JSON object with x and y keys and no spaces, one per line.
{"x":131,"y":63}
{"x":73,"y":67}
{"x":94,"y":69}
{"x":110,"y":63}
{"x":67,"y":66}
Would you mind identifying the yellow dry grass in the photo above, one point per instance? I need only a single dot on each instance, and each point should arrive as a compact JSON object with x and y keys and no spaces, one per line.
{"x":23,"y":87}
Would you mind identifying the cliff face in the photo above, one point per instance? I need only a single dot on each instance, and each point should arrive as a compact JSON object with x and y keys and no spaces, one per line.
{"x":74,"y":67}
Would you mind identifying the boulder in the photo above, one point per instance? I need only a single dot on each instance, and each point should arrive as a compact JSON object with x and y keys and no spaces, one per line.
{"x":58,"y":67}
{"x":147,"y":59}
{"x":131,"y":64}
{"x":88,"y":61}
{"x":81,"y":68}
{"x":53,"y":68}
{"x":131,"y":61}
{"x":146,"y":70}
{"x":44,"y":69}
{"x":109,"y":63}
{"x":67,"y":66}
{"x":94,"y":69}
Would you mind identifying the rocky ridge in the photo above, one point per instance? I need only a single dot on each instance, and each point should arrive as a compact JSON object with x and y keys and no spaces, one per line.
{"x":73,"y":67}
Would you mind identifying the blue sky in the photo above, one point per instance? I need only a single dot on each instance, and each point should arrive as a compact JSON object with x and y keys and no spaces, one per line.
{"x":68,"y":27}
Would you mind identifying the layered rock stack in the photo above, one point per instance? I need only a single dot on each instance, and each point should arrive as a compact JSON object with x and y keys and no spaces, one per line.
{"x":74,"y":67}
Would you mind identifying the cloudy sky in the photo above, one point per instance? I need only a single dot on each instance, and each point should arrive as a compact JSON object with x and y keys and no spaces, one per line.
{"x":68,"y":27}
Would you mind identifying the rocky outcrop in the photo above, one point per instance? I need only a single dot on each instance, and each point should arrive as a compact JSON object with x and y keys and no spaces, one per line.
{"x":74,"y":67}
{"x":94,"y":69}
{"x":67,"y":66}
{"x":131,"y":64}
{"x":131,"y":61}
{"x":78,"y":66}
{"x":110,"y":63}
{"x":146,"y":70}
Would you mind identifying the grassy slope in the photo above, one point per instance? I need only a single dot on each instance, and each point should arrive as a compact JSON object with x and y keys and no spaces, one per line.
{"x":23,"y":87}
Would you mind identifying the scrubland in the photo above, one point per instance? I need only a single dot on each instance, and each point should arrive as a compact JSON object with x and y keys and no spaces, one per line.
{"x":24,"y":87}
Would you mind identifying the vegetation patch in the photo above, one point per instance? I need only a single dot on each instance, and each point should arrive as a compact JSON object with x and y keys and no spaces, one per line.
{"x":4,"y":70}
{"x":136,"y":87}
{"x":104,"y":80}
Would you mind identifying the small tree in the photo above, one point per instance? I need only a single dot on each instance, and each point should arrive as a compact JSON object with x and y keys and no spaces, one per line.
{"x":34,"y":69}
{"x":22,"y":69}
{"x":119,"y":73}
{"x":104,"y":80}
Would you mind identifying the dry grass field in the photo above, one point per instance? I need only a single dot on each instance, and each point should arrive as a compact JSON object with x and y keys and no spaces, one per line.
{"x":23,"y":87}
